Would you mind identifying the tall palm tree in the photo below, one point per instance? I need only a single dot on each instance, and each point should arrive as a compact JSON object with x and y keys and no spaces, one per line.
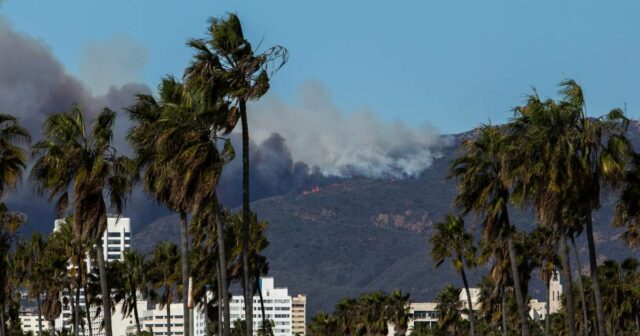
{"x":227,"y":62}
{"x":627,"y":210}
{"x":164,"y":275}
{"x":211,"y":236}
{"x":32,"y":257}
{"x":176,"y":144}
{"x":573,"y":158}
{"x":80,"y":163}
{"x":483,"y":187}
{"x":131,"y":282}
{"x":66,"y":243}
{"x":12,"y":164}
{"x":10,"y":222}
{"x":450,"y":240}
{"x":546,"y":259}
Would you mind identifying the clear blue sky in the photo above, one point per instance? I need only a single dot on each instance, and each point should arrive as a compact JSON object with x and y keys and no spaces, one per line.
{"x":454,"y":64}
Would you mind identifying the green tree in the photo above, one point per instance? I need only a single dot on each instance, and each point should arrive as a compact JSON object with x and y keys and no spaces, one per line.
{"x":483,"y":174}
{"x":12,"y":164}
{"x":131,"y":281}
{"x":176,"y":145}
{"x":574,"y":158}
{"x":80,"y":163}
{"x":227,"y":62}
{"x":449,"y":306}
{"x":164,"y":275}
{"x":546,"y":259}
{"x":451,"y":240}
{"x":31,"y":256}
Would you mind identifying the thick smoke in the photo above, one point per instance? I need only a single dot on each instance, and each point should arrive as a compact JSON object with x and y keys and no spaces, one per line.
{"x":322,"y":145}
{"x":273,"y":172}
{"x":34,"y":84}
{"x":114,"y":62}
{"x":341,"y":144}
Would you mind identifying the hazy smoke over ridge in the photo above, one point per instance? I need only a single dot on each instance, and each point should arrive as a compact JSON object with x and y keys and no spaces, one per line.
{"x":294,"y":147}
{"x":340,"y":144}
{"x":34,"y":84}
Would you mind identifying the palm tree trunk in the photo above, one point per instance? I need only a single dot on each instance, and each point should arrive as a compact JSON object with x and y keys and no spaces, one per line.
{"x":169,"y":319}
{"x":472,"y":322}
{"x":504,"y":311}
{"x":547,"y":318}
{"x":73,"y":309}
{"x":222,"y":279}
{"x":88,"y":308}
{"x":593,"y":268}
{"x":264,"y":318}
{"x":76,"y":322}
{"x":515,"y":274}
{"x":104,"y":288}
{"x":52,"y":328}
{"x":220,"y":318}
{"x":184,"y":251}
{"x":567,"y":286}
{"x":39,"y":315}
{"x":2,"y":319}
{"x":248,"y":295}
{"x":585,"y":314}
{"x":135,"y":309}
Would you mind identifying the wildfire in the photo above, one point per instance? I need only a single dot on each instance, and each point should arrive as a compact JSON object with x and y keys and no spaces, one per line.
{"x":315,"y":189}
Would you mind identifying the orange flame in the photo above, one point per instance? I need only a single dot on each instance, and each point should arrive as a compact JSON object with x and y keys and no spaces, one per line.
{"x":315,"y":189}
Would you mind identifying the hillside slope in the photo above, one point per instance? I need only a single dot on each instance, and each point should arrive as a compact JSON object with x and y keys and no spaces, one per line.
{"x":362,"y":235}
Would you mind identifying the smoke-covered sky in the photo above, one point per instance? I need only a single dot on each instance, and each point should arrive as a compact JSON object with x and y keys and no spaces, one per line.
{"x":295,"y":146}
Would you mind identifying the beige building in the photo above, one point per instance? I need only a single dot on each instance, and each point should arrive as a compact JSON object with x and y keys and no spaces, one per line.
{"x":299,"y":315}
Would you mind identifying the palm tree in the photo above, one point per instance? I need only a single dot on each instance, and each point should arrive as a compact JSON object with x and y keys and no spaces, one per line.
{"x":9,"y":224}
{"x":176,"y":146}
{"x":164,"y":275}
{"x":227,"y":63}
{"x":573,"y":158}
{"x":448,"y":307}
{"x":65,"y":243}
{"x":32,"y":257}
{"x":627,"y":211}
{"x":483,"y":187}
{"x":132,"y":281}
{"x":450,"y":240}
{"x":323,"y":324}
{"x":398,"y":311}
{"x":80,"y":163}
{"x":12,"y":164}
{"x":546,"y":259}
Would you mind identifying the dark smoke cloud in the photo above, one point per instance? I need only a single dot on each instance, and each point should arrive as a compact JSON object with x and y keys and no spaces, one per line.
{"x":34,"y":84}
{"x":273,"y":172}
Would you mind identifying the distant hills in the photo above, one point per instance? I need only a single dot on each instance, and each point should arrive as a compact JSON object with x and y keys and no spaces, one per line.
{"x":361,"y":235}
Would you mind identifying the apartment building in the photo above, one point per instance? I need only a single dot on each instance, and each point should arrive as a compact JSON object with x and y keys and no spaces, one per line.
{"x":299,"y":315}
{"x":277,"y":306}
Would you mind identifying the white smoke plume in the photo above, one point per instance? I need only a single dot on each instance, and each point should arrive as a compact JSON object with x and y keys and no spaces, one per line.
{"x":340,"y":144}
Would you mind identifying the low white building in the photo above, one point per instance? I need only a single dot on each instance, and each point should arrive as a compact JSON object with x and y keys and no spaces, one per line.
{"x":154,"y":319}
{"x":29,"y":322}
